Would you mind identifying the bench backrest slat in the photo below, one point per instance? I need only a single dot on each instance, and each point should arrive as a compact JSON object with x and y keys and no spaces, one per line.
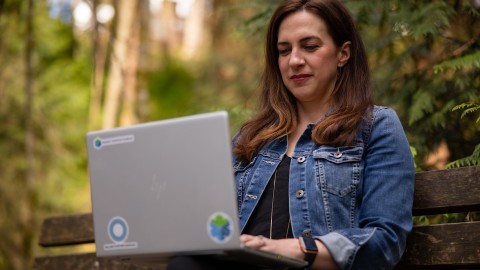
{"x":447,"y":191}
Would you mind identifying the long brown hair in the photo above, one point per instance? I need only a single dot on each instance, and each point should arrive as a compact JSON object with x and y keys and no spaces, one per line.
{"x":351,"y":97}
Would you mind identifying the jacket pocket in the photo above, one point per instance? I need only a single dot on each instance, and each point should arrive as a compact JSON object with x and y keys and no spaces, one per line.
{"x":338,"y":168}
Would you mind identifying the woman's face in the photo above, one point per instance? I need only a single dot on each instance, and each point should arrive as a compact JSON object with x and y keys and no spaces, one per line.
{"x":308,"y":57}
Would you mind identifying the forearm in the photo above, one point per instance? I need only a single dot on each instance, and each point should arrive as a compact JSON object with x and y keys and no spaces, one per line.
{"x":291,"y":247}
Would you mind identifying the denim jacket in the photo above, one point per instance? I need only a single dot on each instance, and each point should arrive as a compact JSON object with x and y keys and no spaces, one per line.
{"x":356,"y":199}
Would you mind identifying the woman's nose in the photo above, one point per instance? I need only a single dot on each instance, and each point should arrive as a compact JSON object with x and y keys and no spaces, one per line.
{"x":296,"y":59}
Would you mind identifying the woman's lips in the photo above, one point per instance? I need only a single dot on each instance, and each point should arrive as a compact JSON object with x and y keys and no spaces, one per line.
{"x":299,"y":78}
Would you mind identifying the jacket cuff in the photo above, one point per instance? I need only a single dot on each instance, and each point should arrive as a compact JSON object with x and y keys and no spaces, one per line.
{"x":340,"y":247}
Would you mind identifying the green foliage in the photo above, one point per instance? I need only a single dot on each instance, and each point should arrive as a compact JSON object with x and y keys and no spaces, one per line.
{"x":257,"y":23}
{"x":471,"y":160}
{"x":468,"y":108}
{"x":171,"y":91}
{"x":446,"y":218}
{"x":424,"y":58}
{"x":467,"y":62}
{"x":474,"y":158}
{"x":436,"y":219}
{"x":61,"y":72}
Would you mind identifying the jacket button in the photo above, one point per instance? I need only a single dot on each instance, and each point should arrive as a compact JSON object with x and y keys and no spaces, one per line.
{"x":307,"y":233}
{"x":299,"y":194}
{"x":301,"y":159}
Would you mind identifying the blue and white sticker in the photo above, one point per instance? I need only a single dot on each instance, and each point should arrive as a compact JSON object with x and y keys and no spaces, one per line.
{"x":98,"y":142}
{"x":118,"y":231}
{"x":220,"y":227}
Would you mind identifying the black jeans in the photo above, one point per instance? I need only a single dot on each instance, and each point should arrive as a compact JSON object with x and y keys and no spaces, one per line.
{"x":209,"y":263}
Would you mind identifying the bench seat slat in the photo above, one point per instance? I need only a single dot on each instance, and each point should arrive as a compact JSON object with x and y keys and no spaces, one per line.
{"x":88,"y":261}
{"x":454,"y":244}
{"x":67,"y":230}
{"x":433,"y":245}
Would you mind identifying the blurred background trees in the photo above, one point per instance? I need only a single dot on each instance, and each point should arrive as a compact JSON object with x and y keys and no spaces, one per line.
{"x":425,"y":60}
{"x":66,"y":70}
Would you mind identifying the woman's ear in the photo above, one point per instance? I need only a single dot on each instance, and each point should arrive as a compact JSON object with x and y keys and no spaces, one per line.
{"x":344,"y":54}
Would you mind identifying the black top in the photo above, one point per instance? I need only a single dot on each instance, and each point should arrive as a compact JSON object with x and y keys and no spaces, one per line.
{"x":259,"y":222}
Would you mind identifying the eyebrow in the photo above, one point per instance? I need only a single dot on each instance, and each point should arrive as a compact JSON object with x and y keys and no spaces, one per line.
{"x":283,"y":43}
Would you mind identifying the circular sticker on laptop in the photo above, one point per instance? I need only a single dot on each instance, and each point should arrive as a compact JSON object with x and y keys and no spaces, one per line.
{"x":118,"y":229}
{"x":220,"y":227}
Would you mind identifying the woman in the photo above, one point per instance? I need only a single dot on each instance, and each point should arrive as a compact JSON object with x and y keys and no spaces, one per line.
{"x":319,"y":165}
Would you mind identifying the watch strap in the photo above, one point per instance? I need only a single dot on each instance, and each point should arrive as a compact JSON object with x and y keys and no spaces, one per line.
{"x":309,"y":248}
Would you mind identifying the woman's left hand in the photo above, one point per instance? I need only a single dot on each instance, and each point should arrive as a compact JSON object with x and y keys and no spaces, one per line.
{"x":288,"y":247}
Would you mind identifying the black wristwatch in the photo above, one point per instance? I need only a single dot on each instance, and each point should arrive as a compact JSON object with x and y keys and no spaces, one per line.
{"x":309,"y":247}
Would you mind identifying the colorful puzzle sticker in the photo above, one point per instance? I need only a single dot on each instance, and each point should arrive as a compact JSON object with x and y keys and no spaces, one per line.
{"x":220,"y":227}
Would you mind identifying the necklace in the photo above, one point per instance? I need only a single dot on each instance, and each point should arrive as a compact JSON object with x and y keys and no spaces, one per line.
{"x":271,"y":209}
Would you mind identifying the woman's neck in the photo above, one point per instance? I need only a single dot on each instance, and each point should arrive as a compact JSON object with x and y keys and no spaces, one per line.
{"x":310,"y":113}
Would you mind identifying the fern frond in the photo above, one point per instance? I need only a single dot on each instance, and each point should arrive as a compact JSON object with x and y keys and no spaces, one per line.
{"x":469,"y":61}
{"x":470,"y":110}
{"x":430,"y":19}
{"x":467,"y":109}
{"x":462,"y":106}
{"x":423,"y":104}
{"x":472,"y":160}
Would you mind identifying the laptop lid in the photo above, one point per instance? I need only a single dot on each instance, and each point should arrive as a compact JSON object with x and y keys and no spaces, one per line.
{"x":163,"y":187}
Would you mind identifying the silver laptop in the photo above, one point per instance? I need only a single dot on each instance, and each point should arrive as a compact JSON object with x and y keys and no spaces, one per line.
{"x":166,"y":188}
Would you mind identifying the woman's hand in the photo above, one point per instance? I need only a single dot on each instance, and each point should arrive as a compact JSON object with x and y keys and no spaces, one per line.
{"x":288,"y":247}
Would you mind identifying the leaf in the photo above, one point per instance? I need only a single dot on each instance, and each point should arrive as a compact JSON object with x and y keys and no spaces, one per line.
{"x":472,"y":160}
{"x":469,"y":61}
{"x":422,"y":104}
{"x":467,"y":109}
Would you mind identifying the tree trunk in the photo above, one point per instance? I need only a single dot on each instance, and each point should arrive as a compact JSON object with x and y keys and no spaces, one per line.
{"x":118,"y":61}
{"x":99,"y":56}
{"x":196,"y":34}
{"x":129,"y":115}
{"x":170,"y":21}
{"x":27,"y":222}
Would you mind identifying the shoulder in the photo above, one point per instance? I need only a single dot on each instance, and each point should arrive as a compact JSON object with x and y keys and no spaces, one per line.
{"x":380,"y":120}
{"x":384,"y":115}
{"x":379,"y":112}
{"x":385,"y":124}
{"x":378,"y":115}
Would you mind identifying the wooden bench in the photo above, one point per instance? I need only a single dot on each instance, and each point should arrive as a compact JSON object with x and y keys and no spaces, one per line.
{"x":439,"y":246}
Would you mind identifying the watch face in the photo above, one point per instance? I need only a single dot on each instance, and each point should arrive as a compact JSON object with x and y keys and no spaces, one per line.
{"x":309,"y":244}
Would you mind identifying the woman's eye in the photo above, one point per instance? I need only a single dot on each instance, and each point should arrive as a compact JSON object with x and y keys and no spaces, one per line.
{"x":310,"y":48}
{"x":283,"y":51}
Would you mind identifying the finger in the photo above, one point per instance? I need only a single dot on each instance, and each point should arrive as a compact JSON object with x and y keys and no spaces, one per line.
{"x":254,"y":241}
{"x":261,"y":239}
{"x":246,"y":238}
